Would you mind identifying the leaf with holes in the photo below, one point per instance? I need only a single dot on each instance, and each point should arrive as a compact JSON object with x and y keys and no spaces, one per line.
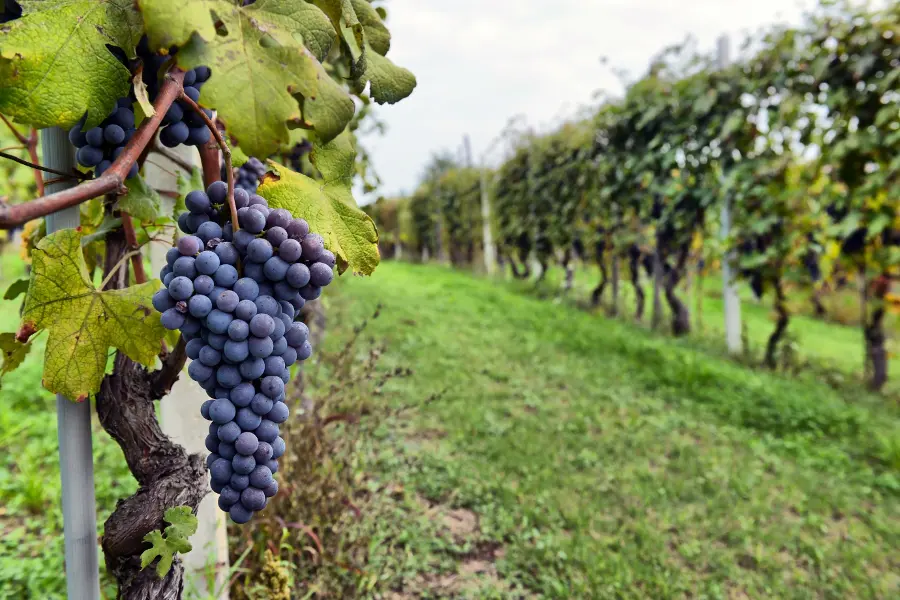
{"x":82,"y":321}
{"x":13,"y":352}
{"x":328,"y":204}
{"x":54,"y":61}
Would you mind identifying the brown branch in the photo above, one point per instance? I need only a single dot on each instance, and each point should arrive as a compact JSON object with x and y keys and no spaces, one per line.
{"x":112,"y":179}
{"x":226,"y":153}
{"x":30,"y":144}
{"x":38,"y":167}
{"x":172,"y":156}
{"x":137,"y":260}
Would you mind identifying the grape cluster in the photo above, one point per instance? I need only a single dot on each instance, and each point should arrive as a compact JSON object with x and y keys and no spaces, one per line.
{"x":234,"y":296}
{"x":99,"y":146}
{"x":181,"y":124}
{"x":248,"y":175}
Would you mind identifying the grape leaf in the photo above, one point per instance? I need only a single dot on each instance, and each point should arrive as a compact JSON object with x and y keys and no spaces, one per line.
{"x":14,"y":352}
{"x":82,"y":321}
{"x":173,"y":539}
{"x":258,"y":61}
{"x":141,"y":202}
{"x":54,"y":63}
{"x":16,"y":289}
{"x":328,"y":204}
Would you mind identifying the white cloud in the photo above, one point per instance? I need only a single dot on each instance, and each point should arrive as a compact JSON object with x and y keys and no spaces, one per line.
{"x":480,"y":63}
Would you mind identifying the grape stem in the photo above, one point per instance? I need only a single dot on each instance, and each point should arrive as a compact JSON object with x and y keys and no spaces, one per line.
{"x":30,"y":144}
{"x":112,"y":180}
{"x":226,"y":154}
{"x":137,"y":260}
{"x":40,"y":167}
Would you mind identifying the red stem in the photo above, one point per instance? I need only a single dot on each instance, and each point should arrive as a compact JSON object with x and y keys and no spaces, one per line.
{"x":137,"y":261}
{"x":112,"y":179}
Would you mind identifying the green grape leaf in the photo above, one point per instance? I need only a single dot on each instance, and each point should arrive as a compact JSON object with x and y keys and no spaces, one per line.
{"x":389,"y":82}
{"x":258,"y":61}
{"x":141,"y":202}
{"x":16,"y":289}
{"x":173,"y":539}
{"x":13,"y":352}
{"x":342,"y":13}
{"x":329,"y":111}
{"x":238,"y":157}
{"x":54,"y":63}
{"x":84,"y":322}
{"x":328,"y":204}
{"x":172,"y":23}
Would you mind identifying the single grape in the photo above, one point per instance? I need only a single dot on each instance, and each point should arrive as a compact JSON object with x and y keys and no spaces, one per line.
{"x":297,"y":229}
{"x":267,"y":431}
{"x":276,"y":235}
{"x":274,"y":365}
{"x":267,"y":305}
{"x":298,"y":275}
{"x":222,"y":410}
{"x":272,"y":465}
{"x":218,"y":321}
{"x":228,"y":497}
{"x":261,"y":404}
{"x":259,"y":250}
{"x":241,"y":199}
{"x":89,"y":156}
{"x":242,"y":394}
{"x":279,"y":347}
{"x":271,"y":490}
{"x":210,"y":357}
{"x":279,"y":413}
{"x":174,"y":134}
{"x":217,"y":487}
{"x":207,"y":262}
{"x":298,"y":302}
{"x":260,"y":476}
{"x":94,"y":137}
{"x":212,"y":442}
{"x":192,"y":93}
{"x":236,"y":352}
{"x":221,"y":470}
{"x":184,"y":267}
{"x":243,"y":465}
{"x":285,"y":292}
{"x":226,"y":276}
{"x":198,"y":371}
{"x":246,"y":288}
{"x":197,"y":202}
{"x":262,"y":325}
{"x":289,"y":356}
{"x":113,"y":134}
{"x":228,"y":375}
{"x":229,"y":432}
{"x":278,"y":447}
{"x":227,"y":253}
{"x":226,"y":450}
{"x":123,"y":117}
{"x":191,"y":326}
{"x":239,"y":482}
{"x":251,"y":221}
{"x":162,"y":301}
{"x":195,"y":221}
{"x":209,"y":231}
{"x":275,"y":269}
{"x":246,"y":444}
{"x":172,"y":319}
{"x":190,"y":245}
{"x":78,"y":137}
{"x":217,"y":340}
{"x":297,"y":334}
{"x":279,"y":330}
{"x":192,"y":348}
{"x":239,"y":514}
{"x":213,"y":457}
{"x":239,"y":330}
{"x":288,"y":310}
{"x":199,"y":306}
{"x":183,"y":223}
{"x":215,"y":293}
{"x":248,"y":420}
{"x":252,"y":368}
{"x":279,"y":217}
{"x":173,"y":115}
{"x":242,"y":239}
{"x":172,"y":255}
{"x":227,"y":301}
{"x":304,"y":351}
{"x":260,"y":347}
{"x":312,"y":246}
{"x":310,"y":291}
{"x":203,"y":284}
{"x":271,"y":387}
{"x":290,"y":250}
{"x":320,"y":274}
{"x":197,"y":136}
{"x":253,"y":499}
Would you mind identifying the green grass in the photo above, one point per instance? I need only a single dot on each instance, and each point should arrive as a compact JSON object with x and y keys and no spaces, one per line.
{"x":605,"y":462}
{"x":828,"y":346}
{"x":31,"y":541}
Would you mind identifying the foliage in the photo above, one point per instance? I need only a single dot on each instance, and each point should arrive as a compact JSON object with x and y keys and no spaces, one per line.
{"x":173,"y":539}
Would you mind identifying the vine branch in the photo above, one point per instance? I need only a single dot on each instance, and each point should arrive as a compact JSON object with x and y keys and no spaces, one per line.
{"x":226,"y":153}
{"x":112,"y":180}
{"x":38,"y":167}
{"x":30,"y":144}
{"x":172,"y":156}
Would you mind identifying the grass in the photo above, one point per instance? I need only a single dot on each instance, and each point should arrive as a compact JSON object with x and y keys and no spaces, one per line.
{"x":545,"y":452}
{"x":601,"y":461}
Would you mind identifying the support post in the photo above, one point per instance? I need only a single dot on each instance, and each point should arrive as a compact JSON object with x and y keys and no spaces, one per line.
{"x":180,"y":419}
{"x":732,"y":303}
{"x":490,"y":254}
{"x":76,"y":459}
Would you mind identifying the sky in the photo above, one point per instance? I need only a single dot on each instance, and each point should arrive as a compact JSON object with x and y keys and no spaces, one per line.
{"x":480,"y":63}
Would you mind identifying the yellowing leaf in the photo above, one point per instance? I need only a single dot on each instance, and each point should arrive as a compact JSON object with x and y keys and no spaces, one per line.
{"x":328,"y":204}
{"x":13,"y":352}
{"x":54,"y":63}
{"x":83,"y":322}
{"x":141,"y":202}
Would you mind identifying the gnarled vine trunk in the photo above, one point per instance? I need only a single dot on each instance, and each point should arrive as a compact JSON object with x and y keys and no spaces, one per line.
{"x":781,"y":325}
{"x":614,"y":309}
{"x":167,"y":475}
{"x":875,"y":336}
{"x":597,"y":294}
{"x":634,"y":268}
{"x":681,"y":317}
{"x":570,"y":271}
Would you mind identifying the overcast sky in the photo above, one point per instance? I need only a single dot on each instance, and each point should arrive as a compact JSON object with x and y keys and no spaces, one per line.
{"x":478,"y":63}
